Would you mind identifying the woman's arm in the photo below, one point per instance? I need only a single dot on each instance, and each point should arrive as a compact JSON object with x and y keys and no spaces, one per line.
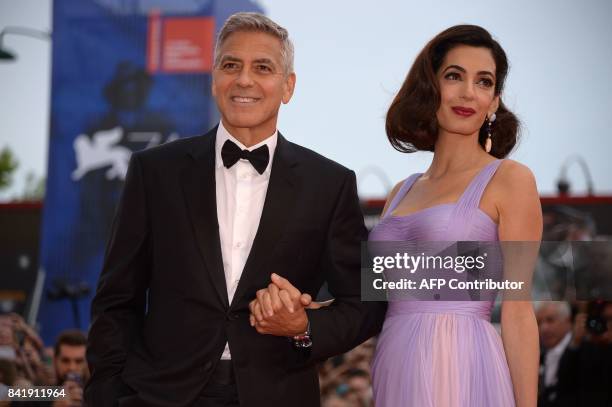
{"x":520,"y":337}
{"x":520,"y":220}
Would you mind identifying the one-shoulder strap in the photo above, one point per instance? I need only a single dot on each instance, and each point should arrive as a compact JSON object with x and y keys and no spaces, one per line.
{"x":402,"y":192}
{"x":473,"y":193}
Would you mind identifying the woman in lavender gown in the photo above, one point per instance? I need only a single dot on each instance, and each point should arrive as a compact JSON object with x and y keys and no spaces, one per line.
{"x":447,"y":353}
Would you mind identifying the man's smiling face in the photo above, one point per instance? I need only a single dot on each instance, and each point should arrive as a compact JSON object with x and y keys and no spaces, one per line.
{"x":249,"y":82}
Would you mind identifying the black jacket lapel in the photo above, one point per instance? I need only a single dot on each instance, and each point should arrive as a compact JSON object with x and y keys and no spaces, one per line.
{"x":198,"y":182}
{"x":278,"y":207}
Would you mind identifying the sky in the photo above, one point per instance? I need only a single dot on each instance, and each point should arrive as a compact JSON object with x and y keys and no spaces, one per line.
{"x":351,"y":58}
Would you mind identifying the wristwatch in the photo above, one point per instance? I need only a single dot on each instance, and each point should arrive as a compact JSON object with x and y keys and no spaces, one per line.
{"x":303,"y":340}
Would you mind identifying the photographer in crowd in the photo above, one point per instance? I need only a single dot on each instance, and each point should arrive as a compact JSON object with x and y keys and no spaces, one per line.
{"x":71,"y":366}
{"x":588,"y":359}
{"x":25,"y":362}
{"x":584,"y":373}
{"x":21,"y":346}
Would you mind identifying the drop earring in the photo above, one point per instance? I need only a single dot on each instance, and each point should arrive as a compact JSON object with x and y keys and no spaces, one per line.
{"x":489,"y":142}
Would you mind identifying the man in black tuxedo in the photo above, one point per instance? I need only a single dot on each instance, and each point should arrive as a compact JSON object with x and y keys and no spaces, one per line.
{"x":202,"y":225}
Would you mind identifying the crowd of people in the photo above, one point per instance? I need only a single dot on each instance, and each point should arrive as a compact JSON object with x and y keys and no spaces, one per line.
{"x":25,"y":361}
{"x":576,"y":353}
{"x":575,"y":362}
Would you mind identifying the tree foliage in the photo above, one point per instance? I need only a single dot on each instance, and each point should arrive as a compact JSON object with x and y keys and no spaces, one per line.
{"x":8,"y":165}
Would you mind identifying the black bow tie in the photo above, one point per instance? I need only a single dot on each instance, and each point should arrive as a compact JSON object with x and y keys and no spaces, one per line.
{"x":230,"y":153}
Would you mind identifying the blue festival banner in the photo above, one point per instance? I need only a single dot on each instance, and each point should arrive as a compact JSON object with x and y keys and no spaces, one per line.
{"x":127,"y":75}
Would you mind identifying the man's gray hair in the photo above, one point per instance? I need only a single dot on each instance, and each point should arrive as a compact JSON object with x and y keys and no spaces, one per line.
{"x":564,"y":310}
{"x":255,"y":22}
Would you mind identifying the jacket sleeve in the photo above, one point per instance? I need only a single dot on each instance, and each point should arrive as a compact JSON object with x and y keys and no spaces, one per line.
{"x":118,"y":307}
{"x":348,"y":321}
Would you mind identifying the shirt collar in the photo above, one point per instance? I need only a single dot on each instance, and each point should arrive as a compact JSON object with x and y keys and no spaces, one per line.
{"x":223,"y":134}
{"x":560,"y":347}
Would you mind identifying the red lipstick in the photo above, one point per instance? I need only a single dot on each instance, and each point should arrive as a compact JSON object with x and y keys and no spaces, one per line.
{"x":463,"y":111}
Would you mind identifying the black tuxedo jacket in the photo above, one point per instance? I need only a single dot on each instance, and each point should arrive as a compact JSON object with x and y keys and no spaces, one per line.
{"x":161,"y":316}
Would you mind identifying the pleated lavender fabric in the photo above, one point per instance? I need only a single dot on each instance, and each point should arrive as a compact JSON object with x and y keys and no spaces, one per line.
{"x":441,"y":353}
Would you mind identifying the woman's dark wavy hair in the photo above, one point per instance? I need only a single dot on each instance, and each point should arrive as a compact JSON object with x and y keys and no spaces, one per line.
{"x":411,"y":122}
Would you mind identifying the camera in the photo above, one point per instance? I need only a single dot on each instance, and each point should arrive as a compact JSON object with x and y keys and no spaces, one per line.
{"x":74,"y":377}
{"x":596,"y":324}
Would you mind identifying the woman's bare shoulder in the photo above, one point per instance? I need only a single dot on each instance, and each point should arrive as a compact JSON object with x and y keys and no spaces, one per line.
{"x":513,"y":176}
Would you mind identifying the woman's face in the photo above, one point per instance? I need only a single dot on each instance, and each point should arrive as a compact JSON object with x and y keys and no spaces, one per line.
{"x":467,"y":89}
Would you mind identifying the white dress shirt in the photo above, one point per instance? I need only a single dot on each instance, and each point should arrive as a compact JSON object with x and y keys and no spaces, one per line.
{"x":241,"y":192}
{"x":552,"y":359}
